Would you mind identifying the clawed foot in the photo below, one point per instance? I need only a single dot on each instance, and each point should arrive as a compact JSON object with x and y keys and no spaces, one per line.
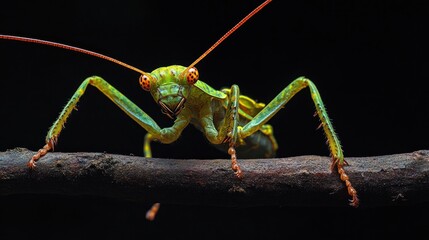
{"x":354,"y":202}
{"x":32,"y":163}
{"x":234,"y":165}
{"x":42,"y":152}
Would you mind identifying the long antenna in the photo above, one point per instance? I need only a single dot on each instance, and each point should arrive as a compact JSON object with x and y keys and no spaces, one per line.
{"x":95,"y":54}
{"x":228,"y":33}
{"x":68,"y":47}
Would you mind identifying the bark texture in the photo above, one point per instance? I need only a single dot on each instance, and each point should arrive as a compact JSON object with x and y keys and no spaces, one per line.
{"x":397,"y":179}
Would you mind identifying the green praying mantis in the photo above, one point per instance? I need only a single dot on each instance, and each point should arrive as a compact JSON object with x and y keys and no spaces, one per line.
{"x":232,"y":122}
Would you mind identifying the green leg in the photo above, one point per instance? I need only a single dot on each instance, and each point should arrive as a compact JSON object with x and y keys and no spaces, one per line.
{"x":231,"y":121}
{"x":228,"y":129}
{"x":165,"y":135}
{"x":333,"y":142}
{"x":267,"y":129}
{"x":146,"y":145}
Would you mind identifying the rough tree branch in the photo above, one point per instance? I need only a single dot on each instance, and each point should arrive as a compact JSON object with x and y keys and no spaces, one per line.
{"x":398,"y":179}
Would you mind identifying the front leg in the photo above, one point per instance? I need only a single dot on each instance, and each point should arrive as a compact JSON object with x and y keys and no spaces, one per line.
{"x":231,"y":121}
{"x":332,"y":140}
{"x":228,"y":129}
{"x":165,"y":135}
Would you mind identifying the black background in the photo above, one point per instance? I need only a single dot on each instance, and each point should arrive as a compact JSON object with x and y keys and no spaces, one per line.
{"x":367,"y":58}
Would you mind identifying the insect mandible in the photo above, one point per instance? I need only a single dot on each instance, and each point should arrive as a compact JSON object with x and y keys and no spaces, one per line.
{"x":230,"y":121}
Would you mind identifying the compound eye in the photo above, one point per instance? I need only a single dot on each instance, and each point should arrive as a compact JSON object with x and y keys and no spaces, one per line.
{"x":192,"y":76}
{"x":144,"y":81}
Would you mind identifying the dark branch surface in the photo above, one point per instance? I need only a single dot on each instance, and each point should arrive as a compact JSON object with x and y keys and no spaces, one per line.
{"x":398,"y":179}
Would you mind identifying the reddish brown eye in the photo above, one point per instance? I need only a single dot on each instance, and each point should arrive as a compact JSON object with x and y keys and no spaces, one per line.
{"x":145,"y":82}
{"x":192,"y":76}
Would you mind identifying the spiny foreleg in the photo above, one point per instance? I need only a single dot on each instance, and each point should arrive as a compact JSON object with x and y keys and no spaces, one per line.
{"x":332,"y":140}
{"x":227,"y":131}
{"x":164,"y":135}
{"x":55,"y":130}
{"x":231,"y":121}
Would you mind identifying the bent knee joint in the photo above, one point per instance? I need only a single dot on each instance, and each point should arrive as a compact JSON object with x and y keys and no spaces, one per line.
{"x":167,"y":136}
